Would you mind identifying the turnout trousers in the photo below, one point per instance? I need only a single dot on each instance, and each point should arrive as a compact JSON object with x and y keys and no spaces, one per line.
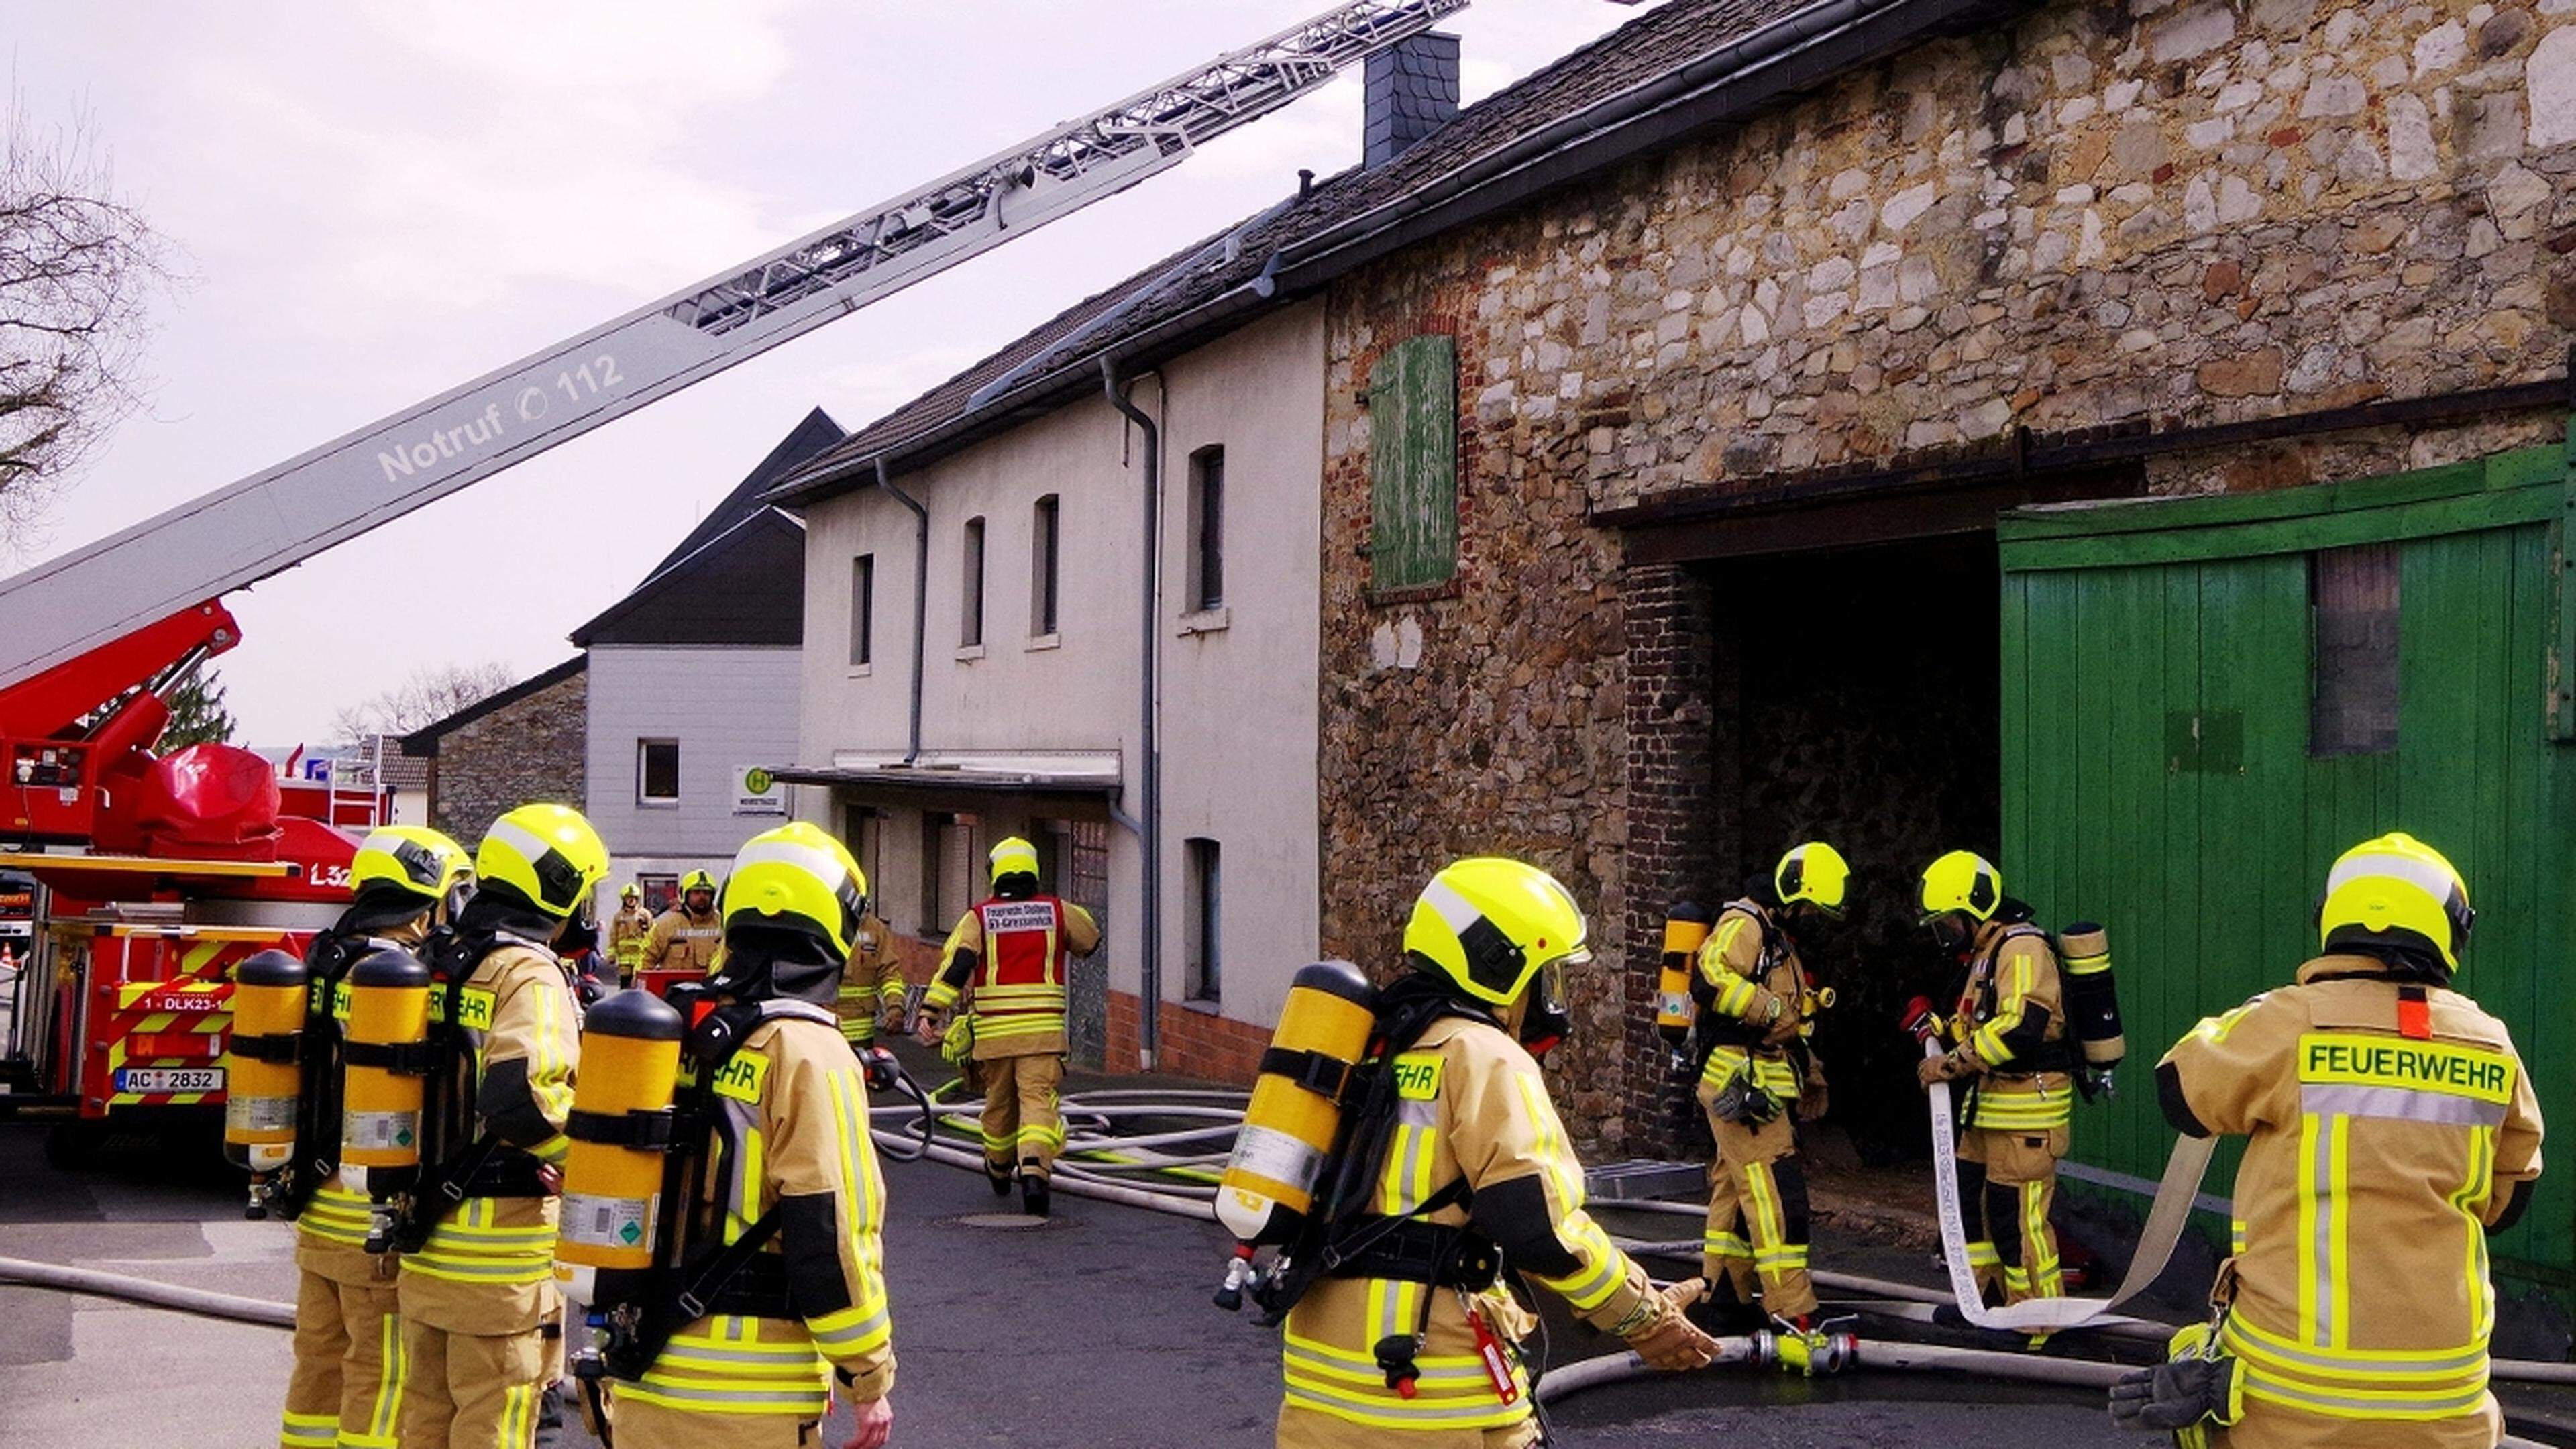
{"x":2007,"y":1184}
{"x":474,"y":1391}
{"x":658,"y":1426}
{"x":1757,"y":1214}
{"x":346,"y":1390}
{"x":1303,"y":1428}
{"x":1021,"y":1122}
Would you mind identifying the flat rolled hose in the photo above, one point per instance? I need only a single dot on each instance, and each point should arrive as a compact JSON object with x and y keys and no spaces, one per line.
{"x":147,"y":1292}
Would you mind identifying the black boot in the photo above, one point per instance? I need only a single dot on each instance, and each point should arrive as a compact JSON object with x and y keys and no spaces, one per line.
{"x":1033,"y":1195}
{"x":999,"y":1179}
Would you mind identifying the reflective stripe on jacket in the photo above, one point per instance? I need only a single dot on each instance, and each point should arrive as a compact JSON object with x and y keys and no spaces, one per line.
{"x":1016,"y":985}
{"x":2374,"y":1163}
{"x":683,"y":942}
{"x":1744,"y":966}
{"x":2013,"y":1001}
{"x":870,"y":983}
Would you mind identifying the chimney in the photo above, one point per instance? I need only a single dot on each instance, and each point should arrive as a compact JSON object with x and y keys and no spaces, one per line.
{"x":1412,"y":92}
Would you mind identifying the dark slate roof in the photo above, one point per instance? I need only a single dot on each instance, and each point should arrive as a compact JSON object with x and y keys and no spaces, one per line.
{"x":739,"y":576}
{"x":1653,"y":45}
{"x":424,"y":741}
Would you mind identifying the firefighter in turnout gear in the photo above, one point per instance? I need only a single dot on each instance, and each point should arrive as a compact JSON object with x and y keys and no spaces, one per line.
{"x":1004,"y":965}
{"x":873,"y":986}
{"x":347,"y":1386}
{"x":1466,"y":1188}
{"x":626,"y":933}
{"x":1760,"y":1080}
{"x":2390,"y":1129}
{"x":481,"y":1315}
{"x":791,"y":1170}
{"x":2006,"y":1031}
{"x":688,"y":936}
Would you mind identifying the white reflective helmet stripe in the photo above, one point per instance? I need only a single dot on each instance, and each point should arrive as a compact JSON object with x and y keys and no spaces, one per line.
{"x":1455,"y":910}
{"x":2423,"y":874}
{"x":820,"y":864}
{"x":531,"y":846}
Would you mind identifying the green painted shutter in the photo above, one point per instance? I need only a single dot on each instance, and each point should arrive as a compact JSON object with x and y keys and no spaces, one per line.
{"x":2158,"y":777}
{"x":1413,"y":464}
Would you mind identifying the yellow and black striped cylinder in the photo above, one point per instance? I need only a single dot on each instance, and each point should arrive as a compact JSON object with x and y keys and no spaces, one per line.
{"x":2092,"y":994}
{"x":1685,"y":929}
{"x":612,"y":1186}
{"x":261,"y":1079}
{"x":380,"y":1106}
{"x":1296,"y":1110}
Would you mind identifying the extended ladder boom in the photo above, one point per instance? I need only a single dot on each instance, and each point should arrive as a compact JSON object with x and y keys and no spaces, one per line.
{"x":273,"y":520}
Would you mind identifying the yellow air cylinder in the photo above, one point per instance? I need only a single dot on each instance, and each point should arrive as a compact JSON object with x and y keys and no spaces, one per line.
{"x":262,"y":1081}
{"x":1296,"y":1110}
{"x":380,"y":1104}
{"x":1685,"y":928}
{"x":621,"y":1110}
{"x":2093,"y":995}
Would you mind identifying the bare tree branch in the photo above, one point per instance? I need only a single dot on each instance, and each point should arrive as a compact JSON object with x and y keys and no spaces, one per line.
{"x":430,"y":695}
{"x":77,"y":267}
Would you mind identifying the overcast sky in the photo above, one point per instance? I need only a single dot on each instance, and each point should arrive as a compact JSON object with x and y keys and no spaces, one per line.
{"x":376,"y":201}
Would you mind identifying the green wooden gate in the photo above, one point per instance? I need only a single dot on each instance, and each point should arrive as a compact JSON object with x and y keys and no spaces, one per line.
{"x":2163,"y":774}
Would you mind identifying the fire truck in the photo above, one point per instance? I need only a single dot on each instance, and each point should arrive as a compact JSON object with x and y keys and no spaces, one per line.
{"x":155,"y":874}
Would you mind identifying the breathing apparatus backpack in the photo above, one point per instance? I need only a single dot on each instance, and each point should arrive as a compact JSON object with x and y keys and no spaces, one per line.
{"x":1694,"y":1028}
{"x":1320,"y":1122}
{"x":263,"y":1108}
{"x":2094,"y":1045}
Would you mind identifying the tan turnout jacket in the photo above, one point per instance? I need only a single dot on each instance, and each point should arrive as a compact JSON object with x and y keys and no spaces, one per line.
{"x":1743,"y":979}
{"x":2012,"y":971}
{"x":683,"y":942}
{"x":872,"y":982}
{"x":2374,"y":1162}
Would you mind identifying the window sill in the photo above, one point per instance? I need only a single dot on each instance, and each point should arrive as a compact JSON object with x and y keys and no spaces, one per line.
{"x":1203,"y":1005}
{"x":969,"y":653}
{"x":1207,"y":621}
{"x":1044,"y":641}
{"x":1414,"y":593}
{"x":670,"y":804}
{"x":862,"y":671}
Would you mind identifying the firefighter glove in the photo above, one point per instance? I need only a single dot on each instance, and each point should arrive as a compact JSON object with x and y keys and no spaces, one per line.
{"x":1667,"y":1340}
{"x":2196,"y":1384}
{"x":1742,"y":1101}
{"x":1812,"y":1099}
{"x":1948,"y":1067}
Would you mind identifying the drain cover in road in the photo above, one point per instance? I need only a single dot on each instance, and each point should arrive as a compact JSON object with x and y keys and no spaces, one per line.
{"x":1002,"y":1222}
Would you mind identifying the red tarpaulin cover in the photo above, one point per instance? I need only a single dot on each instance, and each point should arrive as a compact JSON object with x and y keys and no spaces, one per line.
{"x":214,"y":801}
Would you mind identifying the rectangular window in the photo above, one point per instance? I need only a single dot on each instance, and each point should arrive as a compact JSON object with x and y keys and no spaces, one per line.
{"x":1413,"y":464}
{"x":2352,"y":609}
{"x":863,"y":831}
{"x":947,"y":871}
{"x":1207,"y":528}
{"x":863,"y":609}
{"x":661,"y":892}
{"x":1202,"y":921}
{"x":970,"y":605}
{"x":1042,"y":558}
{"x":657,"y":772}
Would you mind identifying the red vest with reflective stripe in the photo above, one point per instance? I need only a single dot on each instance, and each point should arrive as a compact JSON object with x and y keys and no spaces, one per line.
{"x":1021,"y":975}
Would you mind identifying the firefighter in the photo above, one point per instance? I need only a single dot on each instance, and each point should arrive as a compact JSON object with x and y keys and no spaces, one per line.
{"x":687,"y":936}
{"x":1475,"y":1186}
{"x":2007,"y":1039}
{"x":793,"y":1160}
{"x":2369,"y":1090}
{"x":1760,"y":1080}
{"x":872,"y":988}
{"x":347,"y":1386}
{"x":481,"y":1315}
{"x":1004,"y":965}
{"x":627,"y":932}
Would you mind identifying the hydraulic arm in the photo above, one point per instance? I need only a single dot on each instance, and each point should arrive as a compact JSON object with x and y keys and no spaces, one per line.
{"x":272,"y":520}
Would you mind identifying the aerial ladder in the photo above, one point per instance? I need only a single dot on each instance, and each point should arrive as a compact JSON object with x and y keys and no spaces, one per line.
{"x":92,"y":642}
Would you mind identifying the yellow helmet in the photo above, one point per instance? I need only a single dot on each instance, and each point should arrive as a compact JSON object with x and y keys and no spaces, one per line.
{"x":1014,"y":857}
{"x":1491,"y":924}
{"x":697,"y":880}
{"x":2399,"y":891}
{"x":1962,"y":881}
{"x":630,"y":891}
{"x":412,"y":859}
{"x":547,"y":855}
{"x":1815,"y":873}
{"x":799,"y":877}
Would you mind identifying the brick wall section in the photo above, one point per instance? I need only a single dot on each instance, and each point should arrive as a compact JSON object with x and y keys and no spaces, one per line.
{"x":1680,"y":823}
{"x":1197,"y":1044}
{"x":2191,"y":212}
{"x":528,"y":750}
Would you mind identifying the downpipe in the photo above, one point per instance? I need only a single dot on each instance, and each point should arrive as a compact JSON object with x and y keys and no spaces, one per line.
{"x":920,"y":597}
{"x":1149,"y":765}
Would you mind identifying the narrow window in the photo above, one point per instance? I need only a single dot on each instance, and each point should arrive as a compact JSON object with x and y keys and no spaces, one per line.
{"x":1413,"y":464}
{"x":1202,"y":923}
{"x":947,"y":871}
{"x":970,"y":628}
{"x":863,"y":609}
{"x":1042,"y":558}
{"x":1207,"y":528}
{"x":863,"y":831}
{"x":657,"y":772}
{"x":2352,"y":609}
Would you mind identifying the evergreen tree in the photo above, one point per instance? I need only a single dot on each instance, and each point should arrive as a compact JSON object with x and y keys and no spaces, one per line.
{"x":197,"y":713}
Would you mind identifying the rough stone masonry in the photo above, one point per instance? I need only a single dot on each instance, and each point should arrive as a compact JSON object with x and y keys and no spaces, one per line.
{"x":2195,"y":212}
